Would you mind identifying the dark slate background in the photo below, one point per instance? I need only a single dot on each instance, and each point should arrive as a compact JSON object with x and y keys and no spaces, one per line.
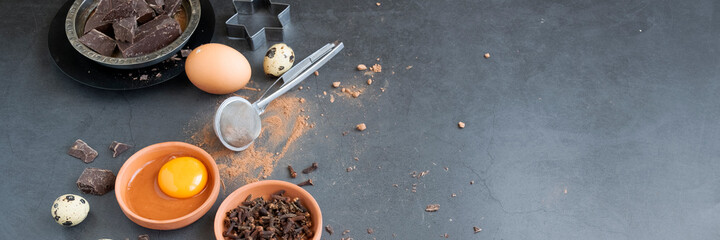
{"x":615,"y":102}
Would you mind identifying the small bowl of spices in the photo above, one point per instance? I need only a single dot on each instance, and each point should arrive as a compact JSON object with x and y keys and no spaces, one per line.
{"x":269,"y":209}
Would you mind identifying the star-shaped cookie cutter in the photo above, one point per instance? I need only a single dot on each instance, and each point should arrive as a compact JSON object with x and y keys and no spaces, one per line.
{"x":236,"y":29}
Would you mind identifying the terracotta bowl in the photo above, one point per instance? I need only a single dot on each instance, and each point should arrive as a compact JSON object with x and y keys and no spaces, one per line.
{"x":265,"y":189}
{"x":156,"y":151}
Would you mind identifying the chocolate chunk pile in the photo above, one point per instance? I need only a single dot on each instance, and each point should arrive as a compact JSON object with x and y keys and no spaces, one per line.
{"x":282,"y":218}
{"x":136,"y":27}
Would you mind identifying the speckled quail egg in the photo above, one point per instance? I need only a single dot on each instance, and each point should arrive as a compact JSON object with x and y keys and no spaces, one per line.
{"x":70,"y":210}
{"x":278,"y":59}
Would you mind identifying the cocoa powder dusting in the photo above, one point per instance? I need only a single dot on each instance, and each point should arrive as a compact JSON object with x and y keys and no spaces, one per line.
{"x":282,"y":126}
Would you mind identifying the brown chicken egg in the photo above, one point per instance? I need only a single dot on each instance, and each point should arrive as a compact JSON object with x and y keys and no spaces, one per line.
{"x":217,"y":68}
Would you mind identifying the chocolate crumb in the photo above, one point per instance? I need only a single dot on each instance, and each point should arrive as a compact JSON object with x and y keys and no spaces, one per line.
{"x":472,"y":182}
{"x":349,"y":169}
{"x":361,"y":127}
{"x":185,"y":52}
{"x":453,"y":195}
{"x":370,"y":231}
{"x":144,"y":77}
{"x":82,"y":151}
{"x":329,"y":229}
{"x":118,"y":148}
{"x":361,"y":67}
{"x":158,"y":75}
{"x":477,"y":229}
{"x":345,"y":133}
{"x":395,"y":185}
{"x":461,"y":124}
{"x":336,"y":84}
{"x":316,"y":73}
{"x":432,"y":208}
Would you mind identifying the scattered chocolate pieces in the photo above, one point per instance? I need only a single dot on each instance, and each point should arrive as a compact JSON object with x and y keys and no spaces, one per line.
{"x":370,"y":231}
{"x":376,"y":68}
{"x":477,"y":229}
{"x":98,"y":42}
{"x":82,"y":151}
{"x":118,"y":148}
{"x":143,"y":237}
{"x":96,"y":181}
{"x":306,"y":183}
{"x":361,"y":67}
{"x":311,"y":168}
{"x":432,"y":208}
{"x":361,"y":127}
{"x":329,"y":229}
{"x":461,"y":124}
{"x":293,"y":174}
{"x":336,"y":84}
{"x":185,"y":52}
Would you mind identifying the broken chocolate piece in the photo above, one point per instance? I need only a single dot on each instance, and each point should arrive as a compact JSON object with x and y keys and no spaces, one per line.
{"x":143,"y":11}
{"x":96,"y":181}
{"x":152,"y":36}
{"x":185,"y":52}
{"x":82,"y":151}
{"x":95,"y":21}
{"x":157,"y":6}
{"x":143,"y":237}
{"x":172,"y":6}
{"x":98,"y":42}
{"x":125,"y":29}
{"x":118,"y":148}
{"x":120,"y":9}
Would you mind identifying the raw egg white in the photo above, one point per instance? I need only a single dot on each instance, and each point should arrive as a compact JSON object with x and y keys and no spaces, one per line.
{"x":217,"y":68}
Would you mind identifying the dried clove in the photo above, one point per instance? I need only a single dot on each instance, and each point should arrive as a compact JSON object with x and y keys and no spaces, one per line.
{"x":305,"y":183}
{"x":311,"y":168}
{"x":277,"y":218}
{"x":293,"y":174}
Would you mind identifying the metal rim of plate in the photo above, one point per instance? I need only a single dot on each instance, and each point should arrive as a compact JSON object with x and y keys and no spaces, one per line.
{"x":92,"y":74}
{"x":236,"y":29}
{"x":80,"y":11}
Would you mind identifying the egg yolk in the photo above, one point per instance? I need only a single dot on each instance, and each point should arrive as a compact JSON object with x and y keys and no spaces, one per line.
{"x":182,"y":177}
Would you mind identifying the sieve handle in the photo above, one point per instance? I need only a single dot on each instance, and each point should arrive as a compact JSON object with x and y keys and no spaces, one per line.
{"x":298,"y":73}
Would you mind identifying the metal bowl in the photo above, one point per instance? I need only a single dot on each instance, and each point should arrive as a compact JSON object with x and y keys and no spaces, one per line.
{"x":79,"y":13}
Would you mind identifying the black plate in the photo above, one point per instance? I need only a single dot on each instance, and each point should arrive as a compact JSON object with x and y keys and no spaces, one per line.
{"x":93,"y":74}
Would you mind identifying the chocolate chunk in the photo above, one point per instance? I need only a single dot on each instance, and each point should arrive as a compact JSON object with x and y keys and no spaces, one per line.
{"x":143,"y":11}
{"x":157,"y":5}
{"x":120,"y":9}
{"x":95,"y":21}
{"x":125,"y":29}
{"x":152,"y":36}
{"x":118,"y":148}
{"x":96,"y":181}
{"x":99,"y":42}
{"x":144,"y":237}
{"x":82,"y":151}
{"x":172,"y":6}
